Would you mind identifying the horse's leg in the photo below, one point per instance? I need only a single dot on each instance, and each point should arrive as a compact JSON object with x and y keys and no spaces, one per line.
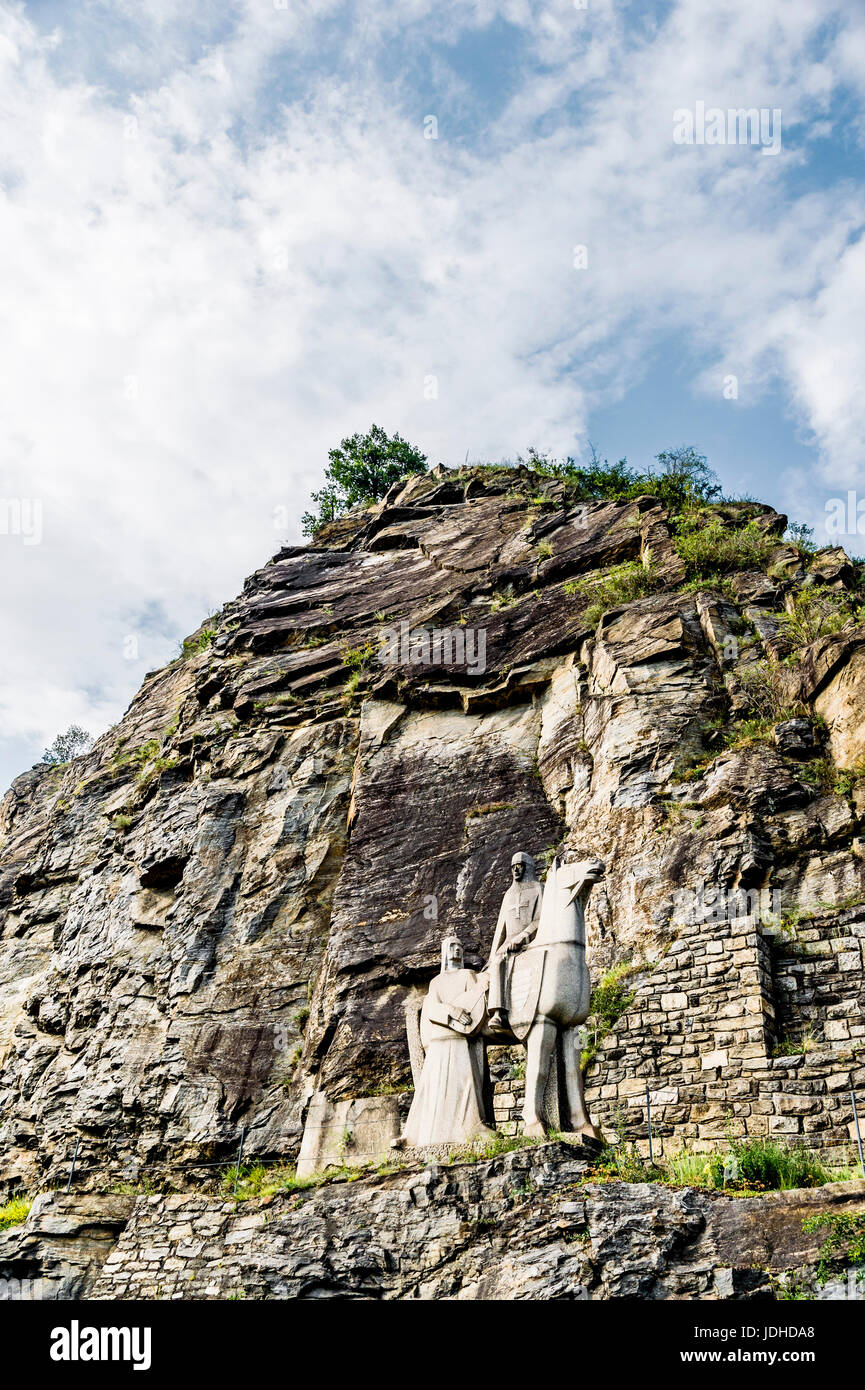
{"x":580,"y":1122}
{"x":539,"y":1052}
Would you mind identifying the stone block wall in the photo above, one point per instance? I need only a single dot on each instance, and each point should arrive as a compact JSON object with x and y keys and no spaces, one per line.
{"x":819,"y":984}
{"x":704,"y":1029}
{"x":526,"y":1225}
{"x":739,"y":1029}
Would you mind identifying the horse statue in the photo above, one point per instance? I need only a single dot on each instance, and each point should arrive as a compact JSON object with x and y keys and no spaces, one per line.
{"x":549,"y":992}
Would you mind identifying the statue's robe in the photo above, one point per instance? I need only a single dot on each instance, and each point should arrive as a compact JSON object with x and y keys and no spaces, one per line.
{"x":448,"y":1105}
{"x":520,"y":912}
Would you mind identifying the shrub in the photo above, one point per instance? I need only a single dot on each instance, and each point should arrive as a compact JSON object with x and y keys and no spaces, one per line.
{"x":763,"y":686}
{"x":816,"y":613}
{"x":708,"y":547}
{"x":799,"y":535}
{"x":623,"y":583}
{"x":356,"y":658}
{"x":681,"y":479}
{"x":14,"y":1212}
{"x":609,"y":1001}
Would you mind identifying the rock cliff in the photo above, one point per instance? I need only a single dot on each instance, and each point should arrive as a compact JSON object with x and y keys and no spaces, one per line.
{"x":218,"y":911}
{"x":529,"y":1225}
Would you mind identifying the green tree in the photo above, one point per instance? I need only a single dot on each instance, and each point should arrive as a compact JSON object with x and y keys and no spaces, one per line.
{"x":67,"y":746}
{"x":687,"y":473}
{"x":362,"y":469}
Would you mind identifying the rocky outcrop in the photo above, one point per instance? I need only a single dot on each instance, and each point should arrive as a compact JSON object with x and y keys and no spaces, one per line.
{"x":60,"y":1249}
{"x":528,"y":1225}
{"x":219,"y":910}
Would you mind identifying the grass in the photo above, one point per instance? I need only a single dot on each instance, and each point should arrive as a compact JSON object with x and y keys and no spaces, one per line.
{"x":713,"y":584}
{"x":816,"y":613}
{"x":148,"y":760}
{"x":795,"y":1047}
{"x":546,"y":503}
{"x":819,"y":773}
{"x":762,"y":1164}
{"x":745,"y":733}
{"x":709,"y":548}
{"x":266,"y":1180}
{"x":192,"y":646}
{"x":350,"y":689}
{"x":145,"y":1186}
{"x":356,"y":659}
{"x":844,"y":1245}
{"x":286,"y":697}
{"x":489,"y":810}
{"x":847,"y":777}
{"x":746,"y":1167}
{"x":14,"y":1212}
{"x":622,"y":584}
{"x":389,"y":1088}
{"x":493,"y":1148}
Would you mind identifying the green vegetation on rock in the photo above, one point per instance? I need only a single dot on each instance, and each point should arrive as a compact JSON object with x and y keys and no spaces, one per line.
{"x":362,"y":469}
{"x":14,"y":1212}
{"x":621,"y":584}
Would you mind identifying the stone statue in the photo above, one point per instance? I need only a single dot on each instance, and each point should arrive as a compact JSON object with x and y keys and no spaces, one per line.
{"x":549,"y":997}
{"x":448,"y":1105}
{"x":518,"y":921}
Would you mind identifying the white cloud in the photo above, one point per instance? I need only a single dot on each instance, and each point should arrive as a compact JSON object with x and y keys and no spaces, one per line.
{"x":207,"y":285}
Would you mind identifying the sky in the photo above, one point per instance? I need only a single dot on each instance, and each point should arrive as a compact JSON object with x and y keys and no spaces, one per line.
{"x":233,"y":234}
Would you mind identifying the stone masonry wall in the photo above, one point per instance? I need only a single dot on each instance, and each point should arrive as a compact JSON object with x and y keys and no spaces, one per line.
{"x":526,"y":1225}
{"x":708,"y":1030}
{"x":703,"y":1032}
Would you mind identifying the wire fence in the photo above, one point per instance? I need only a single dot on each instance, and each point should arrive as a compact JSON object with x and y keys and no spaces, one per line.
{"x":225,"y":1164}
{"x":167,"y":1165}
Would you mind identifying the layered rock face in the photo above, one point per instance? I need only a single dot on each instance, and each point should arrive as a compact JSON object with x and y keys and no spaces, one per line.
{"x":220,"y":909}
{"x":525,"y":1226}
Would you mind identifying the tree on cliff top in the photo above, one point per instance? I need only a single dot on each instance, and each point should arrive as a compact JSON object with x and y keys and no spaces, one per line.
{"x":68,"y":745}
{"x":362,"y":469}
{"x":689,"y":472}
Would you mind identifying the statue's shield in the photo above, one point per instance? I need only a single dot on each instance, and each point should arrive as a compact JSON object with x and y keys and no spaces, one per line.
{"x":526,"y":974}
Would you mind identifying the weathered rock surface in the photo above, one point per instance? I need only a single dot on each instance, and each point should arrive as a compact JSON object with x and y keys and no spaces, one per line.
{"x":524,"y":1226}
{"x":217,"y":912}
{"x":62,"y":1246}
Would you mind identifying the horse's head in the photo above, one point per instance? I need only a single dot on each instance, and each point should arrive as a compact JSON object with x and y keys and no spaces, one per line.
{"x":594,"y":869}
{"x":588,"y":871}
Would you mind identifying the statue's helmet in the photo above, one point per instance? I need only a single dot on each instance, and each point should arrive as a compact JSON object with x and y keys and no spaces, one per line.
{"x":526,"y":859}
{"x":447,"y":946}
